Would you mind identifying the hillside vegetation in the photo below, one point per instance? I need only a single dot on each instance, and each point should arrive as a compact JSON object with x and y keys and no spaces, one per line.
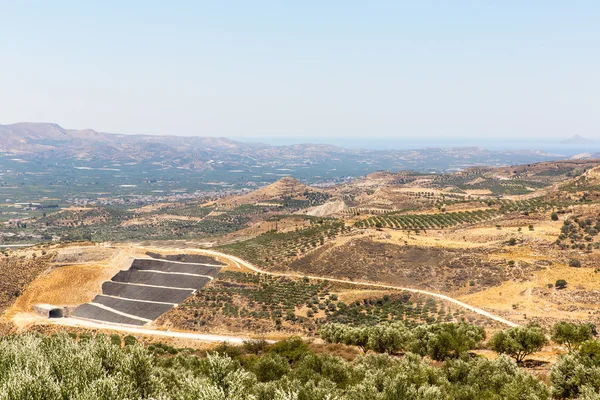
{"x":60,"y":367}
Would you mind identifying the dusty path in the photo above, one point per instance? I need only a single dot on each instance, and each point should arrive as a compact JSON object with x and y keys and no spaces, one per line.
{"x":81,"y":323}
{"x":238,"y":261}
{"x":75,"y":322}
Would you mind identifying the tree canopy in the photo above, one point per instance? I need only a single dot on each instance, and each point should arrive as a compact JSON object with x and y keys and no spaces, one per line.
{"x":519,"y":342}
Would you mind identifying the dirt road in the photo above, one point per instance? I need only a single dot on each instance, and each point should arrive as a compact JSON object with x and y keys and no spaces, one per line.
{"x":81,"y":323}
{"x":75,"y":322}
{"x":239,"y":261}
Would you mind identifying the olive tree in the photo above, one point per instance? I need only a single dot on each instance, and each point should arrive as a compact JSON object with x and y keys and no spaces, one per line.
{"x":389,"y":338}
{"x":577,"y":374}
{"x":444,"y":341}
{"x":519,"y":342}
{"x":570,"y":335}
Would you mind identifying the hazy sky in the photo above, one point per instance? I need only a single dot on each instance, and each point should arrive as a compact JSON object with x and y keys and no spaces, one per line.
{"x":310,"y":69}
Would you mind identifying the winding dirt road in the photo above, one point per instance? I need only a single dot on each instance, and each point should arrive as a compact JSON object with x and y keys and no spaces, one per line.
{"x":75,"y":322}
{"x":239,"y":261}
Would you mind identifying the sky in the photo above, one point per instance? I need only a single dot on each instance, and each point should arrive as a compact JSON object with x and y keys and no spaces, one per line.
{"x":289,"y":71}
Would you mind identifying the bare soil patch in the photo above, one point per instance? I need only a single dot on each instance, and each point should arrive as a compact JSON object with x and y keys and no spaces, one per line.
{"x":16,"y":273}
{"x":443,"y":270}
{"x":65,"y":286}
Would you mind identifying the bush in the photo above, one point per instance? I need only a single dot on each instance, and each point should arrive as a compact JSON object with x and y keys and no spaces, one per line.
{"x":227,"y":349}
{"x":83,"y":337}
{"x":590,"y":349}
{"x":115,"y":339}
{"x":560,"y":284}
{"x":270,"y":367}
{"x":255,"y":346}
{"x":388,"y":338}
{"x":293,"y":348}
{"x":129,"y":340}
{"x":574,"y":263}
{"x":480,"y":378}
{"x":554,"y":216}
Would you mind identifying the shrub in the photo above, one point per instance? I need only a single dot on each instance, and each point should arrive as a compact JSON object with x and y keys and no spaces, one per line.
{"x":574,"y":263}
{"x":293,"y":348}
{"x":560,"y":284}
{"x":270,"y":367}
{"x":255,"y":346}
{"x":554,"y":216}
{"x":590,"y":349}
{"x":115,"y":339}
{"x":439,"y":341}
{"x":227,"y":349}
{"x":83,"y":337}
{"x":129,"y":340}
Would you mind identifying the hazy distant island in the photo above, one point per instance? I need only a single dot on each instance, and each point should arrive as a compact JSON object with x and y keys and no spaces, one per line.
{"x":578,"y":140}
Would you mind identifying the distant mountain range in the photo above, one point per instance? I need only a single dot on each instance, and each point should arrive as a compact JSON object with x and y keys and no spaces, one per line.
{"x":89,"y":148}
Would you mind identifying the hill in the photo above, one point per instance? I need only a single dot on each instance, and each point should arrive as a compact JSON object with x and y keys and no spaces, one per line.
{"x":286,"y":188}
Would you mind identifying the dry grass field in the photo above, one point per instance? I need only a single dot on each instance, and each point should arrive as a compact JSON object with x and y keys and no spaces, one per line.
{"x":64,"y":286}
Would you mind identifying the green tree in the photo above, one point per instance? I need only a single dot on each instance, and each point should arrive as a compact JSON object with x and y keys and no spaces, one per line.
{"x":590,"y":349}
{"x":519,"y":342}
{"x":577,"y":373}
{"x":444,"y":341}
{"x":570,"y":335}
{"x":389,"y":339}
{"x":451,"y":340}
{"x":480,"y":378}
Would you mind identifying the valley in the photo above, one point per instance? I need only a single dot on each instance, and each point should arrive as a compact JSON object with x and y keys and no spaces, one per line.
{"x":492,"y":248}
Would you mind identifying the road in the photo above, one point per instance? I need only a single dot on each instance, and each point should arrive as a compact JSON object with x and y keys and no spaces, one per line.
{"x":81,"y":323}
{"x":239,"y":261}
{"x":75,"y":322}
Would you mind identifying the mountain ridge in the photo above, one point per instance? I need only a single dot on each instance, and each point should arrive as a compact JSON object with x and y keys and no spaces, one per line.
{"x":88,"y":147}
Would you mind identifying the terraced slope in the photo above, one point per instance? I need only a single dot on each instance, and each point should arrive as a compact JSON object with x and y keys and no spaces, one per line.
{"x":148,"y":289}
{"x":428,"y":221}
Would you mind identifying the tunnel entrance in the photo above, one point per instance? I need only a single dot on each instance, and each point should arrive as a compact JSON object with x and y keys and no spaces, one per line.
{"x":50,"y":311}
{"x":56,"y":313}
